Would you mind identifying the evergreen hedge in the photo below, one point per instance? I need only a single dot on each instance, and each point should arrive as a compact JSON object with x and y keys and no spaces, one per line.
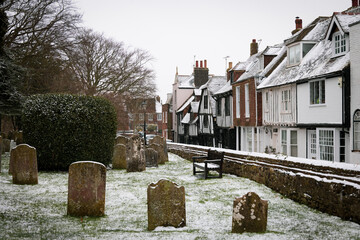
{"x":68,"y":128}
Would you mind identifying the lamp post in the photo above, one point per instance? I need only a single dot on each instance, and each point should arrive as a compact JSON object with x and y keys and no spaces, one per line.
{"x":144,"y":107}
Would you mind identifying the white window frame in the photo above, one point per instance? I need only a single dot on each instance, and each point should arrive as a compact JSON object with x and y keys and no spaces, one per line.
{"x":313,"y":101}
{"x":356,"y":130}
{"x":247,"y":101}
{"x":237,"y":92}
{"x":267,"y":98}
{"x":294,"y":49}
{"x":289,"y":147}
{"x":326,"y":151}
{"x":286,"y":100}
{"x":159,"y":117}
{"x":340,"y":45}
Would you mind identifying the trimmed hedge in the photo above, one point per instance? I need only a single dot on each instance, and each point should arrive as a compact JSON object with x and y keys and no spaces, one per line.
{"x":68,"y":128}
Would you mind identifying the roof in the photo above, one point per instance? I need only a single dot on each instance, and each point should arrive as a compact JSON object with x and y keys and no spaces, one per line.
{"x":226,"y":88}
{"x":342,"y":21}
{"x":186,"y":119}
{"x":187,"y":103}
{"x":185,"y":81}
{"x":195,"y":107}
{"x":214,"y":84}
{"x":169,"y":98}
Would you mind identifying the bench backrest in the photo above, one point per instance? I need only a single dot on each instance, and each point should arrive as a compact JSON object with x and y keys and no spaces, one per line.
{"x":213,"y":154}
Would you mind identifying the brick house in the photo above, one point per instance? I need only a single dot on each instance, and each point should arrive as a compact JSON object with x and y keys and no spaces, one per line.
{"x":167,"y":132}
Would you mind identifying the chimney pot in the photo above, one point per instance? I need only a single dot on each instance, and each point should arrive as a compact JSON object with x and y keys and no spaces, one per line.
{"x":201,"y":64}
{"x":253,"y":47}
{"x":298,"y":23}
{"x":230,"y":65}
{"x":205,"y":64}
{"x":254,"y":40}
{"x":197,"y":64}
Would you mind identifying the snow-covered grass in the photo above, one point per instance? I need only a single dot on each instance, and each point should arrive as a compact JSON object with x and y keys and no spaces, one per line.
{"x":39,"y":211}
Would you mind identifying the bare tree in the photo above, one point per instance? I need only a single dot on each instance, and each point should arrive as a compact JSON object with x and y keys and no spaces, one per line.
{"x":38,"y":33}
{"x":102,"y":65}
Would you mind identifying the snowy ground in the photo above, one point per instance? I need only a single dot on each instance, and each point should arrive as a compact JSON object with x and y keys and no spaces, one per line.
{"x":39,"y":211}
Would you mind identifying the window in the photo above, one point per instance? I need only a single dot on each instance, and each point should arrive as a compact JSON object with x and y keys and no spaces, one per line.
{"x":284,"y":142}
{"x":317,"y":92}
{"x":237,"y":102}
{"x":218,"y":108}
{"x":267,"y":102}
{"x":294,"y":54}
{"x":166,"y":114}
{"x":231,"y":76}
{"x":356,"y":126}
{"x":293,"y":143}
{"x":150,"y":116}
{"x":339,"y":43}
{"x":206,"y":102}
{"x":247,"y":101}
{"x":249,"y":138}
{"x":141,"y":116}
{"x":326,"y":144}
{"x":285,"y":101}
{"x":206,"y":121}
{"x":159,"y":117}
{"x":227,"y":106}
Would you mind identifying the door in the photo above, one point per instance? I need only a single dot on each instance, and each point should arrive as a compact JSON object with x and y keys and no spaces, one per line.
{"x":311,"y":144}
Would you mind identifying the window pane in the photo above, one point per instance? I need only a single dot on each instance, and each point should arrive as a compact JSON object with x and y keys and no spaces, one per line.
{"x":326,"y":144}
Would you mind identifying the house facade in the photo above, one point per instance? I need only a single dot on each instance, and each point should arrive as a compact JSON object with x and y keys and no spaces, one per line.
{"x":167,"y":132}
{"x":355,"y":90}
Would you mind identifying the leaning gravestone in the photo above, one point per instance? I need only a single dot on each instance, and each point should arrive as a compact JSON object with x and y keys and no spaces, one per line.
{"x":162,"y":159}
{"x":23,"y":164}
{"x":86,"y":189}
{"x":166,"y":204}
{"x":249,"y":214}
{"x":119,"y":157}
{"x":121,"y":140}
{"x":151,"y":157}
{"x":135,"y":155}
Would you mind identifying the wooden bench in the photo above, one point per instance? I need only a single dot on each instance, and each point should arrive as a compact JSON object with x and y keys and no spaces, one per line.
{"x":212,"y":162}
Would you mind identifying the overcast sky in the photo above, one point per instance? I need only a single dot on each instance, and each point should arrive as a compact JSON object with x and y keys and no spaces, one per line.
{"x":174,"y":31}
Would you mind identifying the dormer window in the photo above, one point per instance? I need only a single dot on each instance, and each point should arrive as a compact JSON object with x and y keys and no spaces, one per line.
{"x":298,"y":51}
{"x":339,"y":42}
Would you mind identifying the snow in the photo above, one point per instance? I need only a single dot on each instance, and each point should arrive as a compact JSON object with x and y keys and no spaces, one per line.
{"x":186,"y":119}
{"x":345,"y":20}
{"x":195,"y":107}
{"x":39,"y":211}
{"x":226,"y":88}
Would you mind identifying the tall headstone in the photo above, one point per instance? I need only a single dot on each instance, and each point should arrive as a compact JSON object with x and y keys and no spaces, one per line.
{"x":86,"y":189}
{"x":23,"y":164}
{"x":119,"y":157}
{"x":166,"y":204}
{"x":249,"y":214}
{"x":151,"y":157}
{"x":135,"y":155}
{"x":121,"y":140}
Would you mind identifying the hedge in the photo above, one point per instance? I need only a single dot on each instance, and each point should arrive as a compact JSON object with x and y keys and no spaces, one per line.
{"x":68,"y":128}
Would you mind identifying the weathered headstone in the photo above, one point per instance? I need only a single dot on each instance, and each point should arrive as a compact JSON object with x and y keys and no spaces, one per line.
{"x":151,"y":157}
{"x":249,"y":214}
{"x":162,"y":158}
{"x":86,"y":189}
{"x":119,"y":157}
{"x":121,"y":140}
{"x":135,"y":155}
{"x":23,"y":164}
{"x":166,"y":204}
{"x":162,"y":142}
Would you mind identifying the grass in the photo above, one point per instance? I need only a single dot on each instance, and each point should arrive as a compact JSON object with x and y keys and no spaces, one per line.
{"x":39,"y":211}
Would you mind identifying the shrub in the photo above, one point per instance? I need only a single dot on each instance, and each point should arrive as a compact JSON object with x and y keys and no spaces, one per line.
{"x":69,"y":128}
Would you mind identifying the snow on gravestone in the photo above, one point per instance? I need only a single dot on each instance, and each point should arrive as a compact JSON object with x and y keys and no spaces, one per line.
{"x":119,"y":157}
{"x":86,"y":189}
{"x":166,"y":204}
{"x":151,"y":157}
{"x":135,"y":155}
{"x":249,"y":214}
{"x":23,"y":164}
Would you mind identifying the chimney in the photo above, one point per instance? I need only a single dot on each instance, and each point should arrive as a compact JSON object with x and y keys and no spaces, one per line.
{"x":298,"y":25}
{"x":254,"y":47}
{"x":355,"y":3}
{"x":197,"y":64}
{"x":230,"y":65}
{"x":201,"y":74}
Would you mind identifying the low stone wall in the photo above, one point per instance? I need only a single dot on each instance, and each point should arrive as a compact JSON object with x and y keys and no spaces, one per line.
{"x":332,"y":190}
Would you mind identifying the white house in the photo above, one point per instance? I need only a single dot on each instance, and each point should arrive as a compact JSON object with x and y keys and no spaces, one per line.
{"x":355,"y":90}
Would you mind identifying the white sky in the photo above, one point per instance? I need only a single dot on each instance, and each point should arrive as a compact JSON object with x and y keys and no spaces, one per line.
{"x":174,"y":31}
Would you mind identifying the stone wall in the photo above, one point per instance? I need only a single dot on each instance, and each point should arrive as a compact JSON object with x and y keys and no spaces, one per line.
{"x":332,"y":190}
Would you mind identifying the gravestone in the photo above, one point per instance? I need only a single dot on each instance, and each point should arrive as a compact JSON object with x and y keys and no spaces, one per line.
{"x":119,"y":157}
{"x":164,"y":152}
{"x":151,"y":157}
{"x":135,"y":155}
{"x":23,"y":164}
{"x":162,"y":158}
{"x":12,"y":145}
{"x":86,"y":189}
{"x":121,"y":140}
{"x":249,"y":214}
{"x":166,"y":204}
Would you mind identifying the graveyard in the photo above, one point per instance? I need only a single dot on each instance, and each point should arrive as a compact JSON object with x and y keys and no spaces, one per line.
{"x":39,"y":211}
